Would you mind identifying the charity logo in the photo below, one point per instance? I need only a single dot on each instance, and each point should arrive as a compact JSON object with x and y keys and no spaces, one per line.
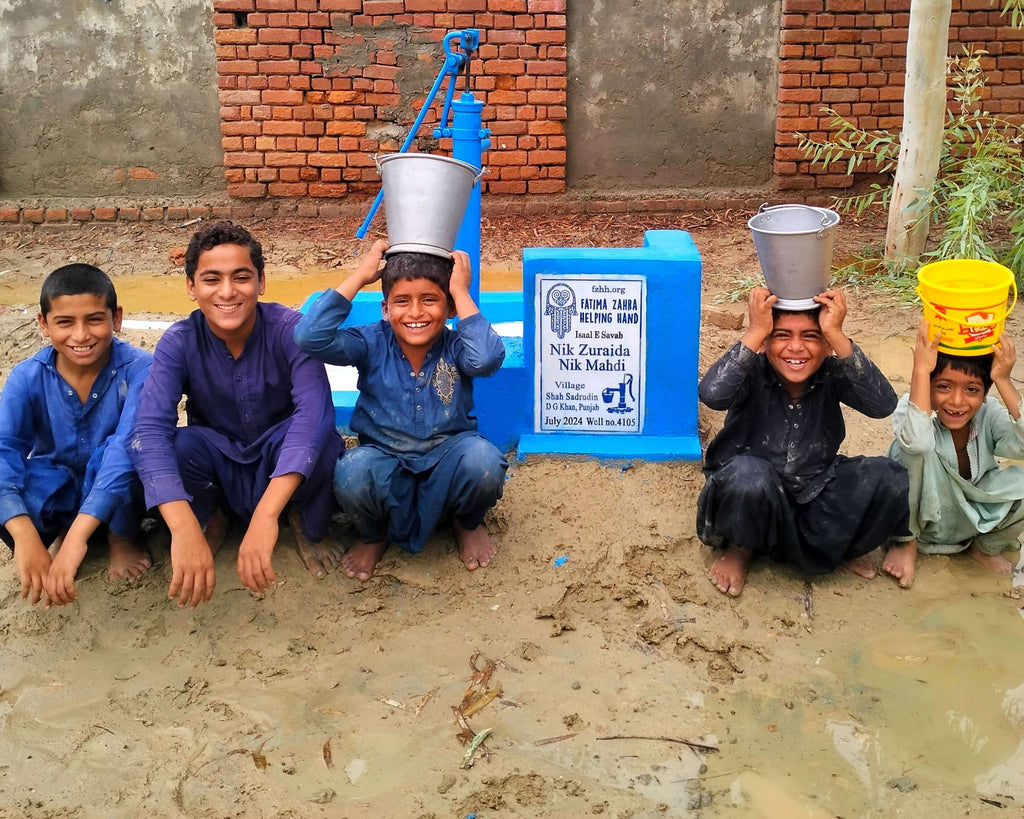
{"x":561,"y":306}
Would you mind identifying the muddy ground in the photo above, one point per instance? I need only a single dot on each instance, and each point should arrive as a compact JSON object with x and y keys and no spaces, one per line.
{"x":619,"y":683}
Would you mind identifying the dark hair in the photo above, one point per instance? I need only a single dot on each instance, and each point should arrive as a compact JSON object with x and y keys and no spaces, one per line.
{"x":76,"y":280}
{"x":978,"y":366}
{"x":811,"y":312}
{"x":405,"y":266}
{"x":221,"y":233}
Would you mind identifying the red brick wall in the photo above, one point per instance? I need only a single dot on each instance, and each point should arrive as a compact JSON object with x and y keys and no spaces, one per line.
{"x":310,"y":90}
{"x":850,"y":55}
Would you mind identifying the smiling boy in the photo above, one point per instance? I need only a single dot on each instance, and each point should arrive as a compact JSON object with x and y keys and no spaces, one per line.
{"x":260,"y":434}
{"x":420,"y":458}
{"x":950,"y":435}
{"x":776,"y":486}
{"x":64,"y":419}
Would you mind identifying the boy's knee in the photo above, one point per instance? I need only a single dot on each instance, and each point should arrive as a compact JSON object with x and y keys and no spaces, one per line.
{"x":748,"y":476}
{"x":886,"y":475}
{"x":189,"y":446}
{"x":354,"y":474}
{"x":481,"y":462}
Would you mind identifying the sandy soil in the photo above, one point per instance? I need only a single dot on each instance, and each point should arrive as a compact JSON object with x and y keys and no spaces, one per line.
{"x":617,"y":682}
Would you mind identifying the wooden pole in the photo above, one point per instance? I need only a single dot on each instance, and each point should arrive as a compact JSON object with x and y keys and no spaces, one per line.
{"x":924,"y":112}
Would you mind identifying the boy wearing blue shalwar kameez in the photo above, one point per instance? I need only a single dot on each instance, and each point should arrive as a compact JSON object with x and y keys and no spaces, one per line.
{"x":420,"y":459}
{"x":64,"y":421}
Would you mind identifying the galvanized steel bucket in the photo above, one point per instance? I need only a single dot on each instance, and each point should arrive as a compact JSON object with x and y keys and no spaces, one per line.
{"x":425,"y":198}
{"x":794,"y":246}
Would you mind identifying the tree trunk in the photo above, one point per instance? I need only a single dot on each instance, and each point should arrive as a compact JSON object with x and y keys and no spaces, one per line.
{"x":924,"y":112}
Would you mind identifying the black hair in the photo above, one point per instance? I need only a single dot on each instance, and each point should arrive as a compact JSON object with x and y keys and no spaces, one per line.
{"x":978,"y":366}
{"x":811,"y":312}
{"x":405,"y":266}
{"x":76,"y":280}
{"x":221,"y":233}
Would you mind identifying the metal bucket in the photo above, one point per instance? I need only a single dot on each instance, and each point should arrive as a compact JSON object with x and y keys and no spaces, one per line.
{"x":794,"y":246}
{"x":425,"y":198}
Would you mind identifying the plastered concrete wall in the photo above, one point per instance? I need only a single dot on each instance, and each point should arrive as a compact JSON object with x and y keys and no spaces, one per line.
{"x":104,"y":98}
{"x":669,"y":95}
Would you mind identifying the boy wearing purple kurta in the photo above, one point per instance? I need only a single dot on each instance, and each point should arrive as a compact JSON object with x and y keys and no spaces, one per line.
{"x":260,"y":432}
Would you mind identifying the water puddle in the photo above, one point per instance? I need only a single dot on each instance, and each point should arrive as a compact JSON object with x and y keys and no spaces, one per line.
{"x":670,"y":781}
{"x":160,"y":293}
{"x":938,"y":706}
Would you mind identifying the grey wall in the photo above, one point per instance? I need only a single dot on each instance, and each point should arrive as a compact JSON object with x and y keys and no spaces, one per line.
{"x":90,"y":89}
{"x":671,"y":94}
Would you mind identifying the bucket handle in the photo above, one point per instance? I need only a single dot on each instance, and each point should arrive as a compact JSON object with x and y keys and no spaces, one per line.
{"x":824,"y":216}
{"x":1013,"y":284}
{"x":476,"y":178}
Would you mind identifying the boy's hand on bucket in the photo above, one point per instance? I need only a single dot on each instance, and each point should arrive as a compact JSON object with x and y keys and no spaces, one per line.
{"x":369,"y":269}
{"x":830,"y":320}
{"x":926,"y":349}
{"x":462,"y":272}
{"x":761,"y":323}
{"x":1004,"y":356}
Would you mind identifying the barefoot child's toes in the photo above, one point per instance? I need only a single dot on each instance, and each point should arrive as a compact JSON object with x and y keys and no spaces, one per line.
{"x":360,"y":561}
{"x":863,"y":566}
{"x":129,"y":559}
{"x":901,"y":562}
{"x":995,"y":563}
{"x":729,"y":571}
{"x":319,"y":558}
{"x":475,"y":546}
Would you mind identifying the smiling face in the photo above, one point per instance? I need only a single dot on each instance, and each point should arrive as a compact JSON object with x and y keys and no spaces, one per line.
{"x":417,"y":310}
{"x":81,"y":329}
{"x":796,"y":349}
{"x":956,"y":397}
{"x":226,"y":289}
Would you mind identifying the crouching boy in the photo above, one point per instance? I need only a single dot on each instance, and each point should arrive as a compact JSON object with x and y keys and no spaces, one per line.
{"x":65,"y":414}
{"x":260,"y":434}
{"x":420,"y":458}
{"x":775,"y":485}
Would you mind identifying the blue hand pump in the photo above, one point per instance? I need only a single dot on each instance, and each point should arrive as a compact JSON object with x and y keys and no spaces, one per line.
{"x":469,"y":140}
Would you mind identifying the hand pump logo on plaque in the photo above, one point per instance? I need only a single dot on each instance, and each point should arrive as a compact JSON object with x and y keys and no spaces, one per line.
{"x":591,"y":340}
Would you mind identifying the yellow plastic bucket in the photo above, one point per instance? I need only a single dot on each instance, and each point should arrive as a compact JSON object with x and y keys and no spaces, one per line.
{"x":966,"y":299}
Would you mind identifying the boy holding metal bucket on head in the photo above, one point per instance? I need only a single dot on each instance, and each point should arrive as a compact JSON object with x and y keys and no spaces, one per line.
{"x":776,"y":486}
{"x":949,"y":435}
{"x":420,"y":459}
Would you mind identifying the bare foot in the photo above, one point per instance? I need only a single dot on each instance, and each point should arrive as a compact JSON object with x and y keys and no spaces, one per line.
{"x":216,"y":531}
{"x":128,"y":557}
{"x":863,"y":566}
{"x":361,"y":559}
{"x":321,"y":558}
{"x":475,"y":546}
{"x":997,"y":563}
{"x":901,"y":562}
{"x":729,"y":571}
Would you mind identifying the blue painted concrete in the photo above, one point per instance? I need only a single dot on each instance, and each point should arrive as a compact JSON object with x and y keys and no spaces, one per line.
{"x":671,"y":264}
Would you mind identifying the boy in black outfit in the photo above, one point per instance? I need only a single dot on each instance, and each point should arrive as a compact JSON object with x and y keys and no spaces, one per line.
{"x":776,"y":485}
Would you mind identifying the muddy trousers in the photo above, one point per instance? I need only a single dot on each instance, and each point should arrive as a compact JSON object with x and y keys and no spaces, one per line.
{"x":213,"y":480}
{"x":388,"y":501}
{"x":862,"y":506}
